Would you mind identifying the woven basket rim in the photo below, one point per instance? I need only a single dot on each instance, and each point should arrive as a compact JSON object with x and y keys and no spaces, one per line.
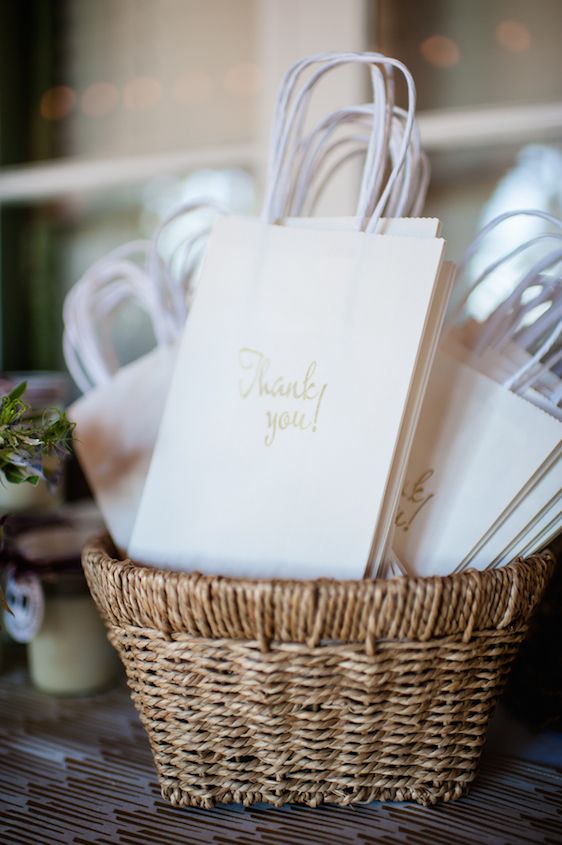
{"x":418,"y":609}
{"x":103,"y":543}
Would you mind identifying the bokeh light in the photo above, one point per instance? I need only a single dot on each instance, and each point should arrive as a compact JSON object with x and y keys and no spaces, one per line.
{"x":57,"y":102}
{"x":513,"y":36}
{"x":440,"y":51}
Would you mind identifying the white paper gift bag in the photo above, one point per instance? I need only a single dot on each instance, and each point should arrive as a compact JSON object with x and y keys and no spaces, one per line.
{"x":118,"y":419}
{"x":116,"y":427}
{"x":402,"y":189}
{"x":118,"y":416}
{"x":479,"y":453}
{"x":293,"y":386}
{"x":530,"y":511}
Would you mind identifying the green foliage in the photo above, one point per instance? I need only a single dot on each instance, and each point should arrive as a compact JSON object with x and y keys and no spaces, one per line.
{"x":32,"y":444}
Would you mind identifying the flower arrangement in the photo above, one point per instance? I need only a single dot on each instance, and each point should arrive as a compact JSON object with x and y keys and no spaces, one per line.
{"x":33,"y":445}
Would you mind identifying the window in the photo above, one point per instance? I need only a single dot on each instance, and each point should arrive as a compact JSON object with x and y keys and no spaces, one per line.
{"x":111,"y":112}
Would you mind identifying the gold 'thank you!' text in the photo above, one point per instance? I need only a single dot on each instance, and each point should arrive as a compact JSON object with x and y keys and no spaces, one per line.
{"x":258,"y":383}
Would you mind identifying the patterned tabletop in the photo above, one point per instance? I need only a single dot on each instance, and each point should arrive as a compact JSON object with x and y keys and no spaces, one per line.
{"x":80,"y":771}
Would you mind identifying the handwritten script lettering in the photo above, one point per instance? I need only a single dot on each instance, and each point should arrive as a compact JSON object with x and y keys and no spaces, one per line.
{"x":414,"y":498}
{"x":307,"y":394}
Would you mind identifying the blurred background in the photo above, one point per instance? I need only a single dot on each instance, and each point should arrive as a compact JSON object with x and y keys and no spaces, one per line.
{"x":114,"y":111}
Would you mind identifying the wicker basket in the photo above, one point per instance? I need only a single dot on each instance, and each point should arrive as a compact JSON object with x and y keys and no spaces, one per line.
{"x":314,"y":691}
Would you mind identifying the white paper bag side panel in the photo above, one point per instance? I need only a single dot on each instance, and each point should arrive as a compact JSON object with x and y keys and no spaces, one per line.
{"x":476,"y":446}
{"x":518,"y":518}
{"x":217,"y":497}
{"x":428,"y":352}
{"x":116,"y":428}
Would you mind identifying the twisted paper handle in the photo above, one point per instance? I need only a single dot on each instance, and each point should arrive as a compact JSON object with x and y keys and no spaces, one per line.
{"x":512,"y":320}
{"x":134,"y":273}
{"x":287,"y":147}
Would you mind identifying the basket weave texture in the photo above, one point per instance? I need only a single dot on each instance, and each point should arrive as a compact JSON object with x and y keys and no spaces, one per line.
{"x":314,"y":691}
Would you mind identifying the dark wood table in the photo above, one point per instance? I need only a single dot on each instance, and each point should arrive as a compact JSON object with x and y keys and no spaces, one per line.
{"x":80,"y":771}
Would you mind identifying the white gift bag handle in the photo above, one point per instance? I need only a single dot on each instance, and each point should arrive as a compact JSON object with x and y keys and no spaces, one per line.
{"x":500,"y":320}
{"x":157,"y":269}
{"x":518,"y":323}
{"x":103,"y":288}
{"x":317,"y":147}
{"x":116,"y":279}
{"x":289,"y":120}
{"x":507,"y":322}
{"x":513,"y":383}
{"x":551,"y":292}
{"x":469,"y":253}
{"x":372,"y":168}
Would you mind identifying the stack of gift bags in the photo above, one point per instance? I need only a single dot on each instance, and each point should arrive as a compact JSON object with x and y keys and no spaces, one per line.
{"x":307,"y":410}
